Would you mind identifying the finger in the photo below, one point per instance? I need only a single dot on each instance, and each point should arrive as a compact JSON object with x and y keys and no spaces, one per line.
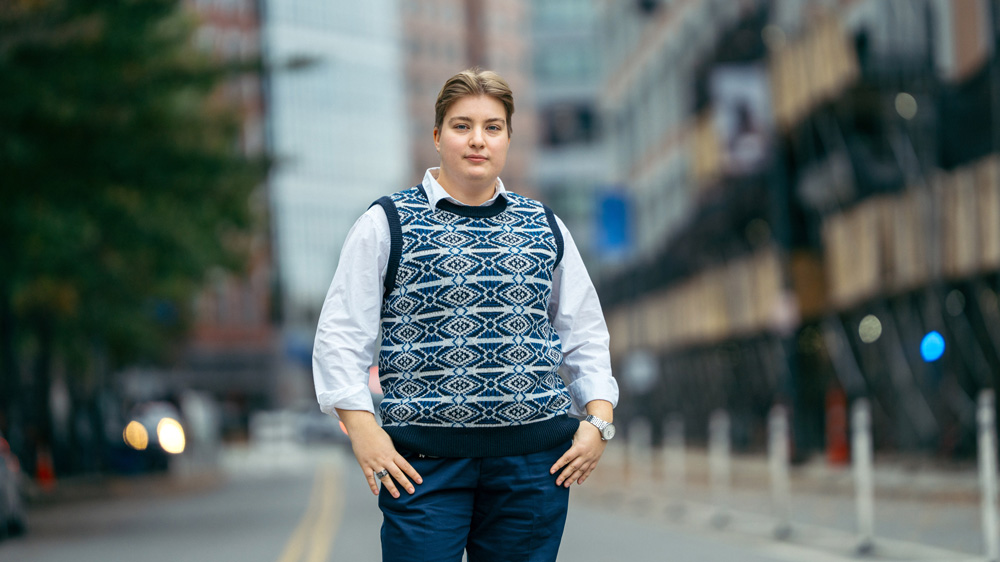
{"x":389,"y":485}
{"x":563,"y":461}
{"x":400,"y":478}
{"x":374,"y":479}
{"x":370,"y":476}
{"x":566,"y":476}
{"x":408,"y":469}
{"x":580,"y":472}
{"x":586,"y":474}
{"x":573,"y":476}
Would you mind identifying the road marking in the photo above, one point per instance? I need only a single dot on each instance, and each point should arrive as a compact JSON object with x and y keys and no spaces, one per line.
{"x":318,"y":526}
{"x":293,"y":549}
{"x":328,"y":521}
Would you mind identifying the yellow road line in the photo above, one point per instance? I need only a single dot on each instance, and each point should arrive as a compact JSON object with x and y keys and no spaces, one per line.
{"x":293,"y":549}
{"x":328,"y":521}
{"x":319,"y":523}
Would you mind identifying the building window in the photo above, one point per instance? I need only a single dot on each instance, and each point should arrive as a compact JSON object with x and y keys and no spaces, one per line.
{"x":563,"y":13}
{"x":568,"y":124}
{"x":569,"y":62}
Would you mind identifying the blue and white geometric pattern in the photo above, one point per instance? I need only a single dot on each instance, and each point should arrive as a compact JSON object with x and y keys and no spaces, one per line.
{"x":466,"y":337}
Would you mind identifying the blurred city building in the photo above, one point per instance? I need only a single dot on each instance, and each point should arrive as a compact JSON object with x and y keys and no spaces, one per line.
{"x":232,"y":351}
{"x":571,"y":164}
{"x":444,"y":37}
{"x":811,"y":188}
{"x":339,"y":132}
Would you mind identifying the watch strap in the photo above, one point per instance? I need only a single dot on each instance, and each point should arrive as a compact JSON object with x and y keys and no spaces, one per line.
{"x":598,"y":422}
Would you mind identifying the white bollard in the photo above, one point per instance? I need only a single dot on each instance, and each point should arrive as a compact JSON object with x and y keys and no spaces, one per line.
{"x":864,"y":485}
{"x":674,"y":463}
{"x":640,"y":457}
{"x":988,"y":474}
{"x":781,"y":495}
{"x":719,"y":465}
{"x":615,"y":453}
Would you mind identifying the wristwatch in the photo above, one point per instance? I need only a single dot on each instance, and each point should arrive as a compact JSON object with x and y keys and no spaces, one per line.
{"x":606,"y":428}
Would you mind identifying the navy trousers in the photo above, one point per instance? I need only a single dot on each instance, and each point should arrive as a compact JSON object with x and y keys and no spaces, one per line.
{"x":498,"y":509}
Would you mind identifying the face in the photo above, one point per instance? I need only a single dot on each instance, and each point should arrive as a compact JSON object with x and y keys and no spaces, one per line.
{"x":472,"y":142}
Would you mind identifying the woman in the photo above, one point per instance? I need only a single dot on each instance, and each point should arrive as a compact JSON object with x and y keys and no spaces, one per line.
{"x":481,"y":296}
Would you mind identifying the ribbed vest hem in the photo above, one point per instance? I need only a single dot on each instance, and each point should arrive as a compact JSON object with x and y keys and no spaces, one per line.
{"x":470,"y":442}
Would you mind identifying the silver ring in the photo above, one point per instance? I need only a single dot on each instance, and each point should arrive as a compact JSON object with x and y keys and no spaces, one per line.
{"x":381,"y":474}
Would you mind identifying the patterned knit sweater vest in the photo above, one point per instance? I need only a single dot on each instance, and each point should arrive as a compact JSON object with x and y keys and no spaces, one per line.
{"x":468,"y":359}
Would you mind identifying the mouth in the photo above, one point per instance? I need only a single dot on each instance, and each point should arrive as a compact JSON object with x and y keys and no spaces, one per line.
{"x":476,"y":158}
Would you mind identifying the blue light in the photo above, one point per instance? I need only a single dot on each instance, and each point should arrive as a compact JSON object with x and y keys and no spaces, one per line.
{"x":932,"y":347}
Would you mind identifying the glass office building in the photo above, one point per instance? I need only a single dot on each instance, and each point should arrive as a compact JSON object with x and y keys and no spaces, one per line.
{"x":338,"y":131}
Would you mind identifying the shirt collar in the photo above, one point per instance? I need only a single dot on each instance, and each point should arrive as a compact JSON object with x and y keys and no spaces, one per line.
{"x":437,"y":193}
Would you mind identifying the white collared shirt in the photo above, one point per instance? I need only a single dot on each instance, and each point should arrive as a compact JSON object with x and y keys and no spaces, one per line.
{"x":348,"y":329}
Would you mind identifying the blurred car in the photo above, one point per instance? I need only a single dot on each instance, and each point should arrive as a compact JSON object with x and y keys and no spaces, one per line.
{"x":152,"y":434}
{"x":12,"y":517}
{"x":313,"y":426}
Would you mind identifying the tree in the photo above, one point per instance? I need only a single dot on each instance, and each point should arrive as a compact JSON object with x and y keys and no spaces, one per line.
{"x":122,"y":185}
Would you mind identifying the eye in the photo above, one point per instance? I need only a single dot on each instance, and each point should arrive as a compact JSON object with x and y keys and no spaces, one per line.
{"x":461,"y":126}
{"x":494,"y":128}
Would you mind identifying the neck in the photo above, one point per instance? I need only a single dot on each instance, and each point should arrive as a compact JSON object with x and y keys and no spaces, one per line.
{"x":469,"y":194}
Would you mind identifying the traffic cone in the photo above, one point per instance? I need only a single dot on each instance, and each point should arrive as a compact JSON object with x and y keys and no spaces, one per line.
{"x":45,"y":473}
{"x":838,"y":450}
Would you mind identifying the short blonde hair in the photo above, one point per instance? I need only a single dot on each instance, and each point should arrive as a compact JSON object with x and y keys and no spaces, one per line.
{"x":474,"y":82}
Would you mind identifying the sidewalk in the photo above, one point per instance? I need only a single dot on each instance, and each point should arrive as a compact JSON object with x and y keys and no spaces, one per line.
{"x":923,"y":511}
{"x":93,"y":487}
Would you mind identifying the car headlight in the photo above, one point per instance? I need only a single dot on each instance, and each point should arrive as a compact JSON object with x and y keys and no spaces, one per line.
{"x":136,"y":436}
{"x":171,"y":435}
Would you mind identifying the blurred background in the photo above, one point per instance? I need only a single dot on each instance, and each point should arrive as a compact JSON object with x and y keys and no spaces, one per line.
{"x":790,"y":202}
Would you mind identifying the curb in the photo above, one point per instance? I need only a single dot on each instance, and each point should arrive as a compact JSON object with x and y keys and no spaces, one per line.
{"x":893,"y":478}
{"x":94,"y":487}
{"x":823,"y":508}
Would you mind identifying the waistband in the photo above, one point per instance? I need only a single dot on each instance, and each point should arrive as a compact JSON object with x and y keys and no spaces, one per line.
{"x":484,"y":441}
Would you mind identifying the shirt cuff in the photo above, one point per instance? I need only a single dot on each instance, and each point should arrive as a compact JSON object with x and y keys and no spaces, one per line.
{"x":354,"y":397}
{"x":592,"y":387}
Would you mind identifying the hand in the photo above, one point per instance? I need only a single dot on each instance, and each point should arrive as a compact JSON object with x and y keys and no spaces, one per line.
{"x":581,"y":459}
{"x":375,"y":452}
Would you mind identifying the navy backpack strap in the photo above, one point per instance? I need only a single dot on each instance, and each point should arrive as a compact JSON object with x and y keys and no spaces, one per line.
{"x":395,"y":241}
{"x":555,"y":232}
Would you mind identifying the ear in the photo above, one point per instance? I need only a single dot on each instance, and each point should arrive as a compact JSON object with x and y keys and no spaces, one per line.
{"x":437,"y":139}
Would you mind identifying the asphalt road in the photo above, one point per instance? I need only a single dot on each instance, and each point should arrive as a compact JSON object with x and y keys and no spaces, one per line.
{"x":288,"y":504}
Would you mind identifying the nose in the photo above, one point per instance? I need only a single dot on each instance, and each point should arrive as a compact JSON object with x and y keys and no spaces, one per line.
{"x":476,"y":138}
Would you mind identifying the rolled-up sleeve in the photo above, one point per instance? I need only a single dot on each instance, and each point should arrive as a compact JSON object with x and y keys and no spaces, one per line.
{"x":575,"y":312}
{"x":348,"y":324}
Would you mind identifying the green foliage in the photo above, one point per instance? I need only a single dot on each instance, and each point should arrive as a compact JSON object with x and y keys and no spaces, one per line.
{"x":122,"y":183}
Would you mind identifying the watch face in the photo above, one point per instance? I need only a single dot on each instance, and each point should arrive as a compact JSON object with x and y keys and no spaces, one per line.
{"x":608,"y":432}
